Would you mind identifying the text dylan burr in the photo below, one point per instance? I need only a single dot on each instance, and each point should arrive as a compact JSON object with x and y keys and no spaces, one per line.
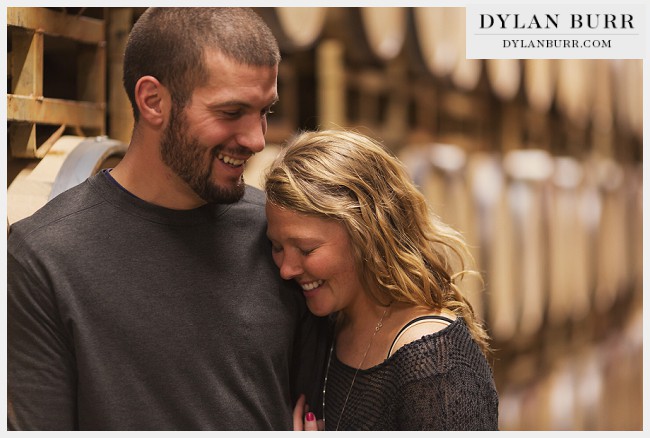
{"x":553,"y":21}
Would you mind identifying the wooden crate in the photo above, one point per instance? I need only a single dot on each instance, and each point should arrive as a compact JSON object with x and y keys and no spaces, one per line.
{"x":42,"y":106}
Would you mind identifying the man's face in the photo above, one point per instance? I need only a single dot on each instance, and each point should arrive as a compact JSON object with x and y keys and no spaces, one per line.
{"x":208,"y":142}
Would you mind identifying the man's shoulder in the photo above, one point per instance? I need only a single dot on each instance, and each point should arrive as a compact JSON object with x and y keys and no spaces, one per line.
{"x":254,"y":196}
{"x":56,"y":211}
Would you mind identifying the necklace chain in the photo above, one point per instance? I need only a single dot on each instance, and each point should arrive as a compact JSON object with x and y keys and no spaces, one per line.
{"x":354,"y":377}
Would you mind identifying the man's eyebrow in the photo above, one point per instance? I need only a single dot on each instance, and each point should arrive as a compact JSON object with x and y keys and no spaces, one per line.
{"x":239,"y":103}
{"x":230,"y":103}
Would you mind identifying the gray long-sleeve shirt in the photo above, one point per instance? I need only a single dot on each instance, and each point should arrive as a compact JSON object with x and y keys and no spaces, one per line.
{"x":123,"y":315}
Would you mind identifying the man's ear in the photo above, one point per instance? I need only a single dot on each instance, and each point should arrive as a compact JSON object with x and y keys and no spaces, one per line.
{"x":153,"y":100}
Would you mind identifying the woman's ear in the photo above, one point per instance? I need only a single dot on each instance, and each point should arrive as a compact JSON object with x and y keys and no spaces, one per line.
{"x":153,"y":100}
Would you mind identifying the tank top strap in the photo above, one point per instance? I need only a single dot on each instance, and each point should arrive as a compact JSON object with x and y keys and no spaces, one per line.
{"x":415,"y":321}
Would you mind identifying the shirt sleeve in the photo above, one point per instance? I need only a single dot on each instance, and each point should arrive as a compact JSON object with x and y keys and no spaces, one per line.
{"x":41,"y":388}
{"x":313,"y":337}
{"x":456,"y":400}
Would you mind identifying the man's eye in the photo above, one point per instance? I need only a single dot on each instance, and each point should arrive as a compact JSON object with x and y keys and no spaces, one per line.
{"x":232,"y":114}
{"x":276,"y":249}
{"x":306,"y":251}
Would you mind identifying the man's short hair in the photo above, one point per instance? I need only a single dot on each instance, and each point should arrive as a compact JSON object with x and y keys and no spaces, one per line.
{"x":169,"y":44}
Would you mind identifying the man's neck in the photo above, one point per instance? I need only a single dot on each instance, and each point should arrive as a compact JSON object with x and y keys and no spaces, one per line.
{"x":143,"y":174}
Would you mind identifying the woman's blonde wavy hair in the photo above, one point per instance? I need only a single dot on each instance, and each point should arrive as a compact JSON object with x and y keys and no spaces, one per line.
{"x":403,"y":252}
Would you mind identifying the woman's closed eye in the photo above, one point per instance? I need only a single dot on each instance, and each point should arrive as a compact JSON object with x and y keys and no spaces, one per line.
{"x":276,"y":249}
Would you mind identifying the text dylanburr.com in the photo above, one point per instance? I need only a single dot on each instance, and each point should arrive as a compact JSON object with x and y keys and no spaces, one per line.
{"x":579,"y":31}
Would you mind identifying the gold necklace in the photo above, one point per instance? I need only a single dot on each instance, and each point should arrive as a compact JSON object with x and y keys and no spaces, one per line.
{"x":327,"y":370}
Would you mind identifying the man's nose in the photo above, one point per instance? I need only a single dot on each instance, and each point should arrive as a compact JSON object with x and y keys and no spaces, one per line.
{"x":252,"y":133}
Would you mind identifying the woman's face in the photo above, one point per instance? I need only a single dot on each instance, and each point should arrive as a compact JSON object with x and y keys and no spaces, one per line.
{"x":317,"y":254}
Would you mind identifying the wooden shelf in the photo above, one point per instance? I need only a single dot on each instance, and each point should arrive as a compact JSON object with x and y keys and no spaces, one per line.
{"x":28,"y":107}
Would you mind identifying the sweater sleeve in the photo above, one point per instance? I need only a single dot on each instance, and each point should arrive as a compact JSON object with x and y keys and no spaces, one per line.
{"x":455,"y":400}
{"x":40,"y":366}
{"x":309,"y":359}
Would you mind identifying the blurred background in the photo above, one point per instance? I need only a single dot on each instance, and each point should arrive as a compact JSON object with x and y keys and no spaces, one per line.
{"x":537,"y":162}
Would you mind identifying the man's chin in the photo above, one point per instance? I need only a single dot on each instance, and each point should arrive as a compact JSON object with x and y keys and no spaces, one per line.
{"x":225,"y":195}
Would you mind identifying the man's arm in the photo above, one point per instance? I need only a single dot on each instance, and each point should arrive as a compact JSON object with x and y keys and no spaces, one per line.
{"x":41,"y":371}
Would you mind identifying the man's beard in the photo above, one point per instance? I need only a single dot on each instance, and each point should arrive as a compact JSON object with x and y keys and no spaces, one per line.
{"x":184,"y":156}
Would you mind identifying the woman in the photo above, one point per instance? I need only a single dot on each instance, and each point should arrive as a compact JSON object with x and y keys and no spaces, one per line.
{"x":408,"y":353}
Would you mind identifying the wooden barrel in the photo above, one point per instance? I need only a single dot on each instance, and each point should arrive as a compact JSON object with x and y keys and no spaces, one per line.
{"x":467,"y":72}
{"x":385,"y":30}
{"x":439,"y":171}
{"x":602,"y":110}
{"x":529,"y":171}
{"x":437,"y":38}
{"x":635,"y":228}
{"x":612,"y":263}
{"x":486,"y":183}
{"x":635,"y":86}
{"x":628,"y":82}
{"x":371,"y":36}
{"x":448,"y":187}
{"x":575,"y":89}
{"x":539,"y":83}
{"x":504,"y":76}
{"x":570,"y":243}
{"x":295,"y":28}
{"x":69,"y":161}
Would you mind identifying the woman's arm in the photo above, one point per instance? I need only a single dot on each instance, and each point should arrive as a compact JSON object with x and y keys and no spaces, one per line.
{"x":456,"y":400}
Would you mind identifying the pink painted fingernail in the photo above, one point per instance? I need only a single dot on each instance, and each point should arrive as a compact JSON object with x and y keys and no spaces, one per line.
{"x":310,"y":416}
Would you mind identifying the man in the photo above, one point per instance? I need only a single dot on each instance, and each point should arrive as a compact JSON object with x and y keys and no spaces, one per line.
{"x":146,"y":298}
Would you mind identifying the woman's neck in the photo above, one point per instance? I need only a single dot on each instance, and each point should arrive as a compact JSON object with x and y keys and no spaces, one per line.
{"x":361,"y":315}
{"x":360,"y":338}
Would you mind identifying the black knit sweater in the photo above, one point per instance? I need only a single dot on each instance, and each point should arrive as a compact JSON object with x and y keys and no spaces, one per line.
{"x":439,"y":382}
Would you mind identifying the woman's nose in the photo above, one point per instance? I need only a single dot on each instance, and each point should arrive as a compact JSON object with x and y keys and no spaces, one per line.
{"x":290,"y":268}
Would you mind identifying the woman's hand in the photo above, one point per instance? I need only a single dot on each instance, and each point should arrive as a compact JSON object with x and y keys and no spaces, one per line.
{"x":303,"y":419}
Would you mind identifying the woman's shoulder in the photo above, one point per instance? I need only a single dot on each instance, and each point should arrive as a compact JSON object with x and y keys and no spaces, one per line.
{"x":415,"y":325}
{"x":436,"y":337}
{"x":450,"y":350}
